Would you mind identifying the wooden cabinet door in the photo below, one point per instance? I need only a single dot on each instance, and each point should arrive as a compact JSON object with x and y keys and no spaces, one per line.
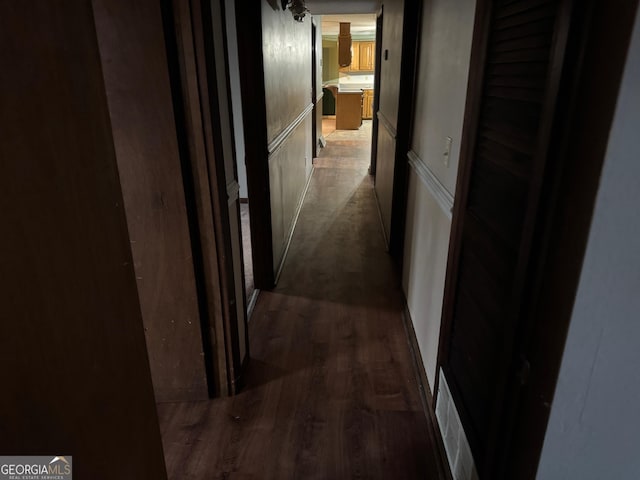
{"x":367,"y":52}
{"x":367,"y":105}
{"x":355,"y":57}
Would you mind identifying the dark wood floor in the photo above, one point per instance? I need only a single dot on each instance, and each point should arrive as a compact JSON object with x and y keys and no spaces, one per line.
{"x":331,"y":392}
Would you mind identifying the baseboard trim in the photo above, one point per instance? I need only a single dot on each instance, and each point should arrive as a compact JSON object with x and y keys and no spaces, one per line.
{"x":444,"y":471}
{"x":293,"y":225}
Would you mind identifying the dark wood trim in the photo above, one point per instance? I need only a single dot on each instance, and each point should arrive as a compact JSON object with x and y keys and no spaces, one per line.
{"x":573,"y":138}
{"x":212,"y":317}
{"x":376,"y":93}
{"x":412,"y":19}
{"x":282,"y":137}
{"x":428,"y":404}
{"x":254,"y":110}
{"x":314,"y":93}
{"x":220,"y":10}
{"x":488,"y":465}
{"x":468,"y":140}
{"x":178,"y":32}
{"x":75,"y":367}
{"x":202,"y":21}
{"x":216,"y":22}
{"x":598,"y":43}
{"x":504,"y":403}
{"x":388,"y":126}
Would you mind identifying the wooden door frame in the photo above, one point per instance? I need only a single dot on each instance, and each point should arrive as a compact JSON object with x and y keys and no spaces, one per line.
{"x":597,"y":40}
{"x":411,"y":30}
{"x":192,"y":64}
{"x":254,"y":111}
{"x":314,"y":90}
{"x":376,"y":93}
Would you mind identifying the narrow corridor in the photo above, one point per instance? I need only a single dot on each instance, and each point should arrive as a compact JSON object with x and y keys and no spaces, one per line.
{"x":331,"y":391}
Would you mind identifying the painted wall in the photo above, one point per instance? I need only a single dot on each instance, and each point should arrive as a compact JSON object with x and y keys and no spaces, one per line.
{"x":330,"y":60}
{"x":425,"y":263}
{"x":287,"y":71}
{"x":594,"y":427}
{"x":445,"y":49}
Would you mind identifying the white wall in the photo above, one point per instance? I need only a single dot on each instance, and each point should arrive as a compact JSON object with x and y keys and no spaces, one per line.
{"x":447,"y":30}
{"x":426,"y":247}
{"x":236,"y":99}
{"x":594,"y":427}
{"x":445,"y":51}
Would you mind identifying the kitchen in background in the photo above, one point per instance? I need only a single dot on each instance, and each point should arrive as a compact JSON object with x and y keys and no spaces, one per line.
{"x":348,"y":89}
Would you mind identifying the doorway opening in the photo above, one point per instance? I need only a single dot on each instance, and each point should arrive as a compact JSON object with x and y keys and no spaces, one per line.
{"x":251,"y":293}
{"x":348,"y":85}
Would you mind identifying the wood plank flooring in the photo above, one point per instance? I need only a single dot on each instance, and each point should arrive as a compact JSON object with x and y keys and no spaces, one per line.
{"x":331,"y":392}
{"x":328,"y":124}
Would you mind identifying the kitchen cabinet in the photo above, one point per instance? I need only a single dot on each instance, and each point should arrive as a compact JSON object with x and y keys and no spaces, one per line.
{"x":367,"y":56}
{"x":363,"y":56}
{"x":367,"y":104}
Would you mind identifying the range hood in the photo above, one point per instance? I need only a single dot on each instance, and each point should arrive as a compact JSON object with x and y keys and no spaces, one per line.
{"x":344,"y":45}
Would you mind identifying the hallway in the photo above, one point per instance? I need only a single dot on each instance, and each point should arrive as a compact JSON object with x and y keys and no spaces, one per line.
{"x":330,"y":391}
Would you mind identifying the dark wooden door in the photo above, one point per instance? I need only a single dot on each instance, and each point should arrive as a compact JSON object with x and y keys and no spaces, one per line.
{"x":517,"y":64}
{"x":314,"y":91}
{"x":376,"y":93}
{"x":195,"y":35}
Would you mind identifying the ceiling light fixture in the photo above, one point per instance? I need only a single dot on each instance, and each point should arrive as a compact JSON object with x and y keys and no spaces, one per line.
{"x":297,"y":8}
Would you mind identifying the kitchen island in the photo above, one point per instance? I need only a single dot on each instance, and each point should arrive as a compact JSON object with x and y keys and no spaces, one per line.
{"x":349,"y":110}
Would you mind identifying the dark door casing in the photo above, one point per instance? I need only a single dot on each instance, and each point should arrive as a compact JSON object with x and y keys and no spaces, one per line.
{"x":518,"y":62}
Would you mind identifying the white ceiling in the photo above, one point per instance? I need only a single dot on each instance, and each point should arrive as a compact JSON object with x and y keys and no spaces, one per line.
{"x":334,"y":7}
{"x":360,"y":24}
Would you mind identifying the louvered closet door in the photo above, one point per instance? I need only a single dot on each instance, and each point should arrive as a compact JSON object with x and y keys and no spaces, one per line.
{"x":499,"y":206}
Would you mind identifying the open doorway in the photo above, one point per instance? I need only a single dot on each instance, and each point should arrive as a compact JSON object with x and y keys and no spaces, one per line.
{"x":348,"y":85}
{"x":251,"y":293}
